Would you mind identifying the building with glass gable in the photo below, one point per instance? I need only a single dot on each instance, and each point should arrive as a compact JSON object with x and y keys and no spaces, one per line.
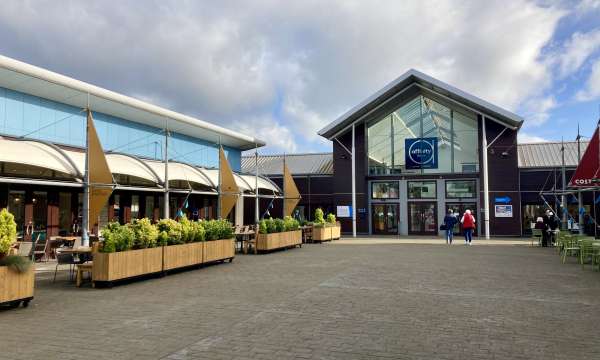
{"x":416,"y":149}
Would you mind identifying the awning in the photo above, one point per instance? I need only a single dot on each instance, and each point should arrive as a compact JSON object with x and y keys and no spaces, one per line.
{"x":180,"y":171}
{"x":37,"y":153}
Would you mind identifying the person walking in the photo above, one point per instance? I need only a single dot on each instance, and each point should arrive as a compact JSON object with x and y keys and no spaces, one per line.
{"x":449,"y":221}
{"x":468,"y":223}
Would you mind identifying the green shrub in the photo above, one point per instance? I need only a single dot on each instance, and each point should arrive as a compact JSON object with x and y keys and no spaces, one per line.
{"x":117,"y":237}
{"x":279,"y":225}
{"x":262,"y":227}
{"x":145,"y":234}
{"x":291,"y":224}
{"x":198,"y":232}
{"x":271,"y":227}
{"x":331,"y":218}
{"x":8,"y":231}
{"x":187,"y":230}
{"x":217,"y":229}
{"x":173,"y":230}
{"x":319,"y":217}
{"x":17,"y":263}
{"x":162,"y":239}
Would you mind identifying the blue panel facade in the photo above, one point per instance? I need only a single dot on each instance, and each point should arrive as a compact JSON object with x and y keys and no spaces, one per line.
{"x":22,"y":114}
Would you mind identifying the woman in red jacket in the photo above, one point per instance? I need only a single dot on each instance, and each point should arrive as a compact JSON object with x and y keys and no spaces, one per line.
{"x":468,"y":223}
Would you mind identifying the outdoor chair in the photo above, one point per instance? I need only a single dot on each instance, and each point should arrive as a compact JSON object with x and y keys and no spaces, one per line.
{"x":82,"y":269}
{"x":64,"y":259}
{"x":25,"y":249}
{"x":571,"y":246}
{"x":536,"y":234}
{"x":40,"y":250}
{"x":586,"y":251}
{"x":308,"y":234}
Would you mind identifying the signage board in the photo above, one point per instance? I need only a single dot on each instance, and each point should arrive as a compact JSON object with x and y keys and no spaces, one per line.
{"x":504,"y":211}
{"x":421,"y":153}
{"x":344,"y":211}
{"x":503,"y":200}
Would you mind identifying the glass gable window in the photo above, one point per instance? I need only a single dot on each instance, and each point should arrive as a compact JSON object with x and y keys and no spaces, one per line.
{"x":422,"y":117}
{"x":421,"y":190}
{"x":461,"y":189}
{"x":385,"y":190}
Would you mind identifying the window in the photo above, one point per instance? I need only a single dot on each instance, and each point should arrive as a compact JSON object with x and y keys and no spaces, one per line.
{"x":461,"y":189}
{"x":421,"y":190}
{"x":149,"y":213}
{"x":422,"y":117}
{"x":16,"y":205}
{"x":64,"y":212}
{"x":385,"y":190}
{"x":135,"y":207}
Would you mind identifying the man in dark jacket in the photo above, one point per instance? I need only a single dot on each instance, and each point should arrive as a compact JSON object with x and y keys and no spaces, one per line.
{"x":551,"y":224}
{"x":449,"y":221}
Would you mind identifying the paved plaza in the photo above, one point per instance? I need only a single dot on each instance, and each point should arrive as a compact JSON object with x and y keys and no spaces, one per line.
{"x":346,"y":300}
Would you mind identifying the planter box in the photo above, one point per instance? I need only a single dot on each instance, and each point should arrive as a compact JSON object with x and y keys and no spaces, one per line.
{"x":178,"y":256}
{"x":217,"y":250}
{"x":336,"y":232}
{"x":286,"y":239}
{"x":126,"y":264}
{"x":321,"y":233}
{"x":16,"y":287}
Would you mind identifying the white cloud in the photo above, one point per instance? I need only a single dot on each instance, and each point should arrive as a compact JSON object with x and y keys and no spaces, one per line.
{"x":283,"y":70}
{"x":591,"y":90}
{"x":537,"y":110}
{"x":524,"y":138}
{"x":577,"y":50}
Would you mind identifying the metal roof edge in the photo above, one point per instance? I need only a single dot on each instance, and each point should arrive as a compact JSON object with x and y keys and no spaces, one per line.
{"x":78,"y":85}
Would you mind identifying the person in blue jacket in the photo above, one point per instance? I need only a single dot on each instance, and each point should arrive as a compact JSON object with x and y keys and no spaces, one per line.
{"x":449,"y":221}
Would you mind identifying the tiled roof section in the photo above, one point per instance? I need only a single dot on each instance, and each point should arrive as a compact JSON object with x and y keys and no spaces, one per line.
{"x":548,"y":154}
{"x":299,"y":164}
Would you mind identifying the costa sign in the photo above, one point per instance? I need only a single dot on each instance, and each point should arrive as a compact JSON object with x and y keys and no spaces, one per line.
{"x":421,"y":153}
{"x":589,"y":167}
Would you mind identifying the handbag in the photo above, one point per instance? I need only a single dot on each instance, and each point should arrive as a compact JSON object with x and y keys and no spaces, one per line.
{"x":443,"y":227}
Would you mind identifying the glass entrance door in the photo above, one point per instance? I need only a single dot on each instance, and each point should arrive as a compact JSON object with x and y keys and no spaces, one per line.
{"x":459,"y":210}
{"x":385,"y":219}
{"x":422,"y":218}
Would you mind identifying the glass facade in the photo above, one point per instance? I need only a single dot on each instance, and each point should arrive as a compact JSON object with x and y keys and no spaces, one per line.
{"x":461,"y":189}
{"x":421,"y":190}
{"x":385,"y":190}
{"x":422,"y":117}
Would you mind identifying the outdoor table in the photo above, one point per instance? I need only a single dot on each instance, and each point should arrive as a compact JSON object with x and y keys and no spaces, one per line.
{"x":83,"y":253}
{"x":67,"y":239}
{"x":244,"y":237}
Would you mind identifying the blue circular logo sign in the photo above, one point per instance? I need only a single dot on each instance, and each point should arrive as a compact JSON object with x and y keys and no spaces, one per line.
{"x":421,"y":152}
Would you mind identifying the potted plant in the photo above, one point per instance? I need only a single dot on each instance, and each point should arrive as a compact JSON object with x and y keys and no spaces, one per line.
{"x":321,"y":230}
{"x":16,"y":273}
{"x":191,"y":252}
{"x":219,"y":244}
{"x":335,"y":227}
{"x":278,"y":233}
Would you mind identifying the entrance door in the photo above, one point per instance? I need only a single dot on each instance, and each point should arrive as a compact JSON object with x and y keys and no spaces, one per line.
{"x":385,"y":219}
{"x":422,"y":218}
{"x":459,"y":209}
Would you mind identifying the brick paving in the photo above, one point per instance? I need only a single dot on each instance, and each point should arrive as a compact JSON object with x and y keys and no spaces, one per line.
{"x":330,"y":301}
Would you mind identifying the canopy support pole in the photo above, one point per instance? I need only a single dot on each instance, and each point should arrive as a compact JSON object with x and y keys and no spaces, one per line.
{"x":166,"y":184}
{"x":353,"y":183}
{"x":85,"y":238}
{"x":256,"y":203}
{"x":486,"y":189}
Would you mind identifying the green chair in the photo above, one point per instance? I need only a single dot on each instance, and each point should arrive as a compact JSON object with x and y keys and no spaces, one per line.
{"x":586,"y":251}
{"x":536,"y":233}
{"x":570,"y":246}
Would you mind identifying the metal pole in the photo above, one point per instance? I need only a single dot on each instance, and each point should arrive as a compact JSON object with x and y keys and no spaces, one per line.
{"x":256,"y":201}
{"x":219,"y":184}
{"x":579,"y":193}
{"x":166,"y":203}
{"x":563,"y":198}
{"x":486,"y":190}
{"x":353,"y":183}
{"x":85,"y":221}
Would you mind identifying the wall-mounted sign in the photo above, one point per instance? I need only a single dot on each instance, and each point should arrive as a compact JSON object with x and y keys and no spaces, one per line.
{"x":504,"y":211}
{"x":344,"y":211}
{"x":421,"y":153}
{"x":503,"y":200}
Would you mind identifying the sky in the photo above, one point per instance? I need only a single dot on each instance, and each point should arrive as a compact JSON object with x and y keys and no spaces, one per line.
{"x":282,"y":70}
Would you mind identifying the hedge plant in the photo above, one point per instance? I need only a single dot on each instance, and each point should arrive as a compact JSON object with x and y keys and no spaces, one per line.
{"x":145,"y":234}
{"x":8,"y":231}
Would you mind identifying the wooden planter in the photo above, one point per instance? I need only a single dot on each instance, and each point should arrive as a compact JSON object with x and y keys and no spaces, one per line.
{"x":16,"y":287}
{"x":321,"y":233}
{"x":126,"y":264}
{"x":266,"y":242}
{"x":218,"y":250}
{"x":178,"y":256}
{"x":336,"y":232}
